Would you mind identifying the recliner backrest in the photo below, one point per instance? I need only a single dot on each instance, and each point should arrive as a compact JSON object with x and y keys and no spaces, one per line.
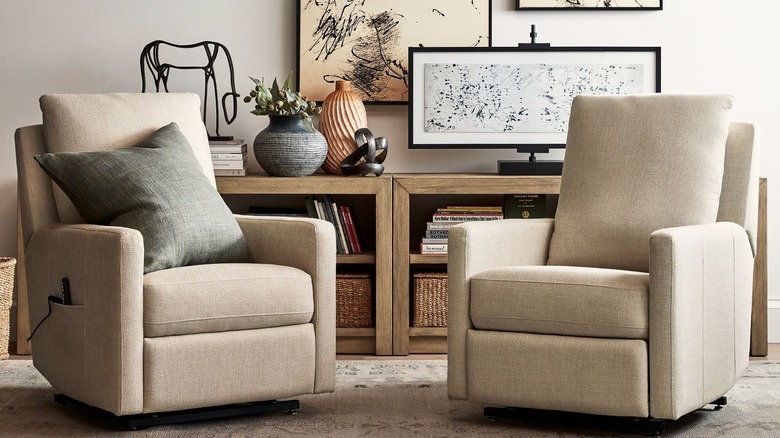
{"x":636,"y":164}
{"x":92,"y":122}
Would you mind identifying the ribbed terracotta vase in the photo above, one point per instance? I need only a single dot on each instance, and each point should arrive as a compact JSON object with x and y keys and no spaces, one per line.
{"x":343,"y":113}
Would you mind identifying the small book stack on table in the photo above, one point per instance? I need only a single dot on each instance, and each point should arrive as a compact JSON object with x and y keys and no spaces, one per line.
{"x":229,"y":157}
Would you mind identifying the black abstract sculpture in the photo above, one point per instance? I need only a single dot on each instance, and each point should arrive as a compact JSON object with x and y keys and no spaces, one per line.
{"x":368,"y":157}
{"x":160,"y":71}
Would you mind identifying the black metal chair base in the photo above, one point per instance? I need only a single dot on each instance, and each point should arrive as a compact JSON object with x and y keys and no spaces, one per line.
{"x":142,"y":421}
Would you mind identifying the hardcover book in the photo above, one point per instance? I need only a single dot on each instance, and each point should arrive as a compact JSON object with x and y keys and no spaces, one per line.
{"x":525,"y":206}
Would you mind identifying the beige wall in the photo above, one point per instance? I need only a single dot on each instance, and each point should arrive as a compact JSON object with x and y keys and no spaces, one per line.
{"x":93,"y":46}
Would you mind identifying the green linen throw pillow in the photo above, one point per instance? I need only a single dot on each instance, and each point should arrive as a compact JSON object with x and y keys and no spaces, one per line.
{"x":158,"y":188}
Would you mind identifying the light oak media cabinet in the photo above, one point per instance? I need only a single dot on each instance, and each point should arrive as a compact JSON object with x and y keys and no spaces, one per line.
{"x":400,"y":203}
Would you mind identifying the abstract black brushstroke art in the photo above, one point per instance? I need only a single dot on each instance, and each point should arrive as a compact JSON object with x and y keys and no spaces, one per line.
{"x":366,"y":41}
{"x":515,"y":97}
{"x":590,"y":4}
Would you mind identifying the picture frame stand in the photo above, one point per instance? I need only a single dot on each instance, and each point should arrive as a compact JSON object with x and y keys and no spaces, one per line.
{"x":533,"y":44}
{"x":530,"y":167}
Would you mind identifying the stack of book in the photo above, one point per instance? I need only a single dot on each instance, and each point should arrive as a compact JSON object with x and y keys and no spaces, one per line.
{"x":229,"y":157}
{"x":343,"y":219}
{"x":437,"y":230}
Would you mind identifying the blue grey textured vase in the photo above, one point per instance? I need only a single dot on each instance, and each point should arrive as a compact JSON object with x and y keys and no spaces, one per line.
{"x":287,"y":147}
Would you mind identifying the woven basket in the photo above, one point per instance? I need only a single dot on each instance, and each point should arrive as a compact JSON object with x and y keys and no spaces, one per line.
{"x":7,"y":265}
{"x":353,"y":300}
{"x":430,"y":299}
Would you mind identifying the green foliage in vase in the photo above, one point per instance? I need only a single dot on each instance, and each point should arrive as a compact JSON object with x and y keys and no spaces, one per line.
{"x":281,"y":101}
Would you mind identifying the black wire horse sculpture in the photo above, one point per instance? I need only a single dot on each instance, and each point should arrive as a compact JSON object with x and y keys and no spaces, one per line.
{"x":150,"y":58}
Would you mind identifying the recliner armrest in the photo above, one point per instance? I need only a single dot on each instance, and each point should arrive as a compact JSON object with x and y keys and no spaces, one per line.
{"x":104,"y":266}
{"x":473,"y":248}
{"x":699,"y":314}
{"x":309,"y":245}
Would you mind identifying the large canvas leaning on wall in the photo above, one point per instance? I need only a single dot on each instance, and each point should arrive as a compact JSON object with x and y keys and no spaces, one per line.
{"x":366,"y":42}
{"x":589,"y":4}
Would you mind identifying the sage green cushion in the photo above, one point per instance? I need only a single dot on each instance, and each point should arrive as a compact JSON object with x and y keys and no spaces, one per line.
{"x":158,"y":188}
{"x":636,"y":164}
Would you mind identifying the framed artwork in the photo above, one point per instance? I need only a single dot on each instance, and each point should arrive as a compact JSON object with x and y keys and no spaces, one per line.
{"x":515,"y":97}
{"x":366,"y":41}
{"x":655,"y":5}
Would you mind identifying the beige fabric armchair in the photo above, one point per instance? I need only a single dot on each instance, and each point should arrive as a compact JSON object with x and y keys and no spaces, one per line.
{"x":635,"y":300}
{"x":176,"y":339}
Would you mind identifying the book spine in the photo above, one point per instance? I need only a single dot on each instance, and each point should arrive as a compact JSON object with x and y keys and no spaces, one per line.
{"x":466,"y":217}
{"x":344,"y":213}
{"x":310,"y":207}
{"x":429,"y":248}
{"x":229,"y":157}
{"x":434,"y":240}
{"x":229,"y":172}
{"x":228,"y":149}
{"x":441,"y":225}
{"x":227,"y":164}
{"x":437,"y":233}
{"x":340,"y":227}
{"x":328,"y":211}
{"x":353,"y":226}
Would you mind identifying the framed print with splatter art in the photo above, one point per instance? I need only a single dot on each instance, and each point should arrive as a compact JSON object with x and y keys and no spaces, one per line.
{"x":366,"y":41}
{"x":515,"y":97}
{"x":612,"y":5}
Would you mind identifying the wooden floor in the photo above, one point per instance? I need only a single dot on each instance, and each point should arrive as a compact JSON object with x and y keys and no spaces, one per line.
{"x":774,"y":354}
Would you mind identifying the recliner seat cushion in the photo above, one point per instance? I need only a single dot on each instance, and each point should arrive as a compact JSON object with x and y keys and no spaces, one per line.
{"x":561,"y":300}
{"x":661,"y":154}
{"x":224,"y":297}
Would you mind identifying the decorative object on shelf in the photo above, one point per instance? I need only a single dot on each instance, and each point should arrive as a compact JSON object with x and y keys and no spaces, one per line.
{"x":609,"y":5}
{"x":160,"y":71}
{"x":366,"y":42}
{"x":430,"y":299}
{"x":343,"y":113}
{"x":513,"y":111}
{"x":289,"y":145}
{"x":354,"y":300}
{"x":368,"y":157}
{"x":7,"y":265}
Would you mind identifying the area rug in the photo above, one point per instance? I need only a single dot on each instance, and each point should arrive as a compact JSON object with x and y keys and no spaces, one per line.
{"x":383,"y":398}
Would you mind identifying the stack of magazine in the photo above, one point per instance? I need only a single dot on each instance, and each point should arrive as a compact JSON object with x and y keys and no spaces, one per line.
{"x":229,"y":157}
{"x":437,"y":230}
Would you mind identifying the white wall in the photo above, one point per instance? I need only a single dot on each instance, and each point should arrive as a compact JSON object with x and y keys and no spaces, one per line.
{"x":93,"y":46}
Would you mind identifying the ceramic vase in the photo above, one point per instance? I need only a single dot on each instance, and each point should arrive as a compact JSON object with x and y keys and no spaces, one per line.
{"x":343,"y":113}
{"x":288,"y":147}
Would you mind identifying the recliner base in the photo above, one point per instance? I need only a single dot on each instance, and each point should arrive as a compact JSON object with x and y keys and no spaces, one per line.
{"x":142,"y":421}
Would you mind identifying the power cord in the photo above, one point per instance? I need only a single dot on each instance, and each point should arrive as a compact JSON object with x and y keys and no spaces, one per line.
{"x":51,"y":299}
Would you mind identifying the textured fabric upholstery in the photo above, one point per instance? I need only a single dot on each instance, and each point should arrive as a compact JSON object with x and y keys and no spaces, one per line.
{"x":589,"y":375}
{"x":636,"y":299}
{"x":561,"y":300}
{"x":225,"y":297}
{"x":95,"y":350}
{"x":658,"y":163}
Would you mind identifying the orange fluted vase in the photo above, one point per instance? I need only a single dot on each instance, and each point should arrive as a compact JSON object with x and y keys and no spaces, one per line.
{"x":343,"y":113}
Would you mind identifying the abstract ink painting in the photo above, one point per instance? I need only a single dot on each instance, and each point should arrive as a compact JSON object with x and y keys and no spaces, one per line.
{"x":516,"y":97}
{"x":366,"y":41}
{"x":590,"y":4}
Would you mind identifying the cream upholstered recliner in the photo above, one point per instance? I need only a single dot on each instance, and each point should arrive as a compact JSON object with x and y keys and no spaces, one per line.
{"x":175,"y":339}
{"x":635,"y":300}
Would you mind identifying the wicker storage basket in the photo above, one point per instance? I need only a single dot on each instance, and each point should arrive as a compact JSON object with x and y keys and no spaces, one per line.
{"x":7,"y":265}
{"x":353,"y":300}
{"x":430,"y":299}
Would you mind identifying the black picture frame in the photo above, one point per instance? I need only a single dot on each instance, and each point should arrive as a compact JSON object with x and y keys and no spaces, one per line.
{"x":452,"y":123}
{"x":572,"y":5}
{"x":322,"y":31}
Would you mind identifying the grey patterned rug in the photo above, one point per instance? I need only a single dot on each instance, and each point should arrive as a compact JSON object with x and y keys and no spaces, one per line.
{"x":390,"y":398}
